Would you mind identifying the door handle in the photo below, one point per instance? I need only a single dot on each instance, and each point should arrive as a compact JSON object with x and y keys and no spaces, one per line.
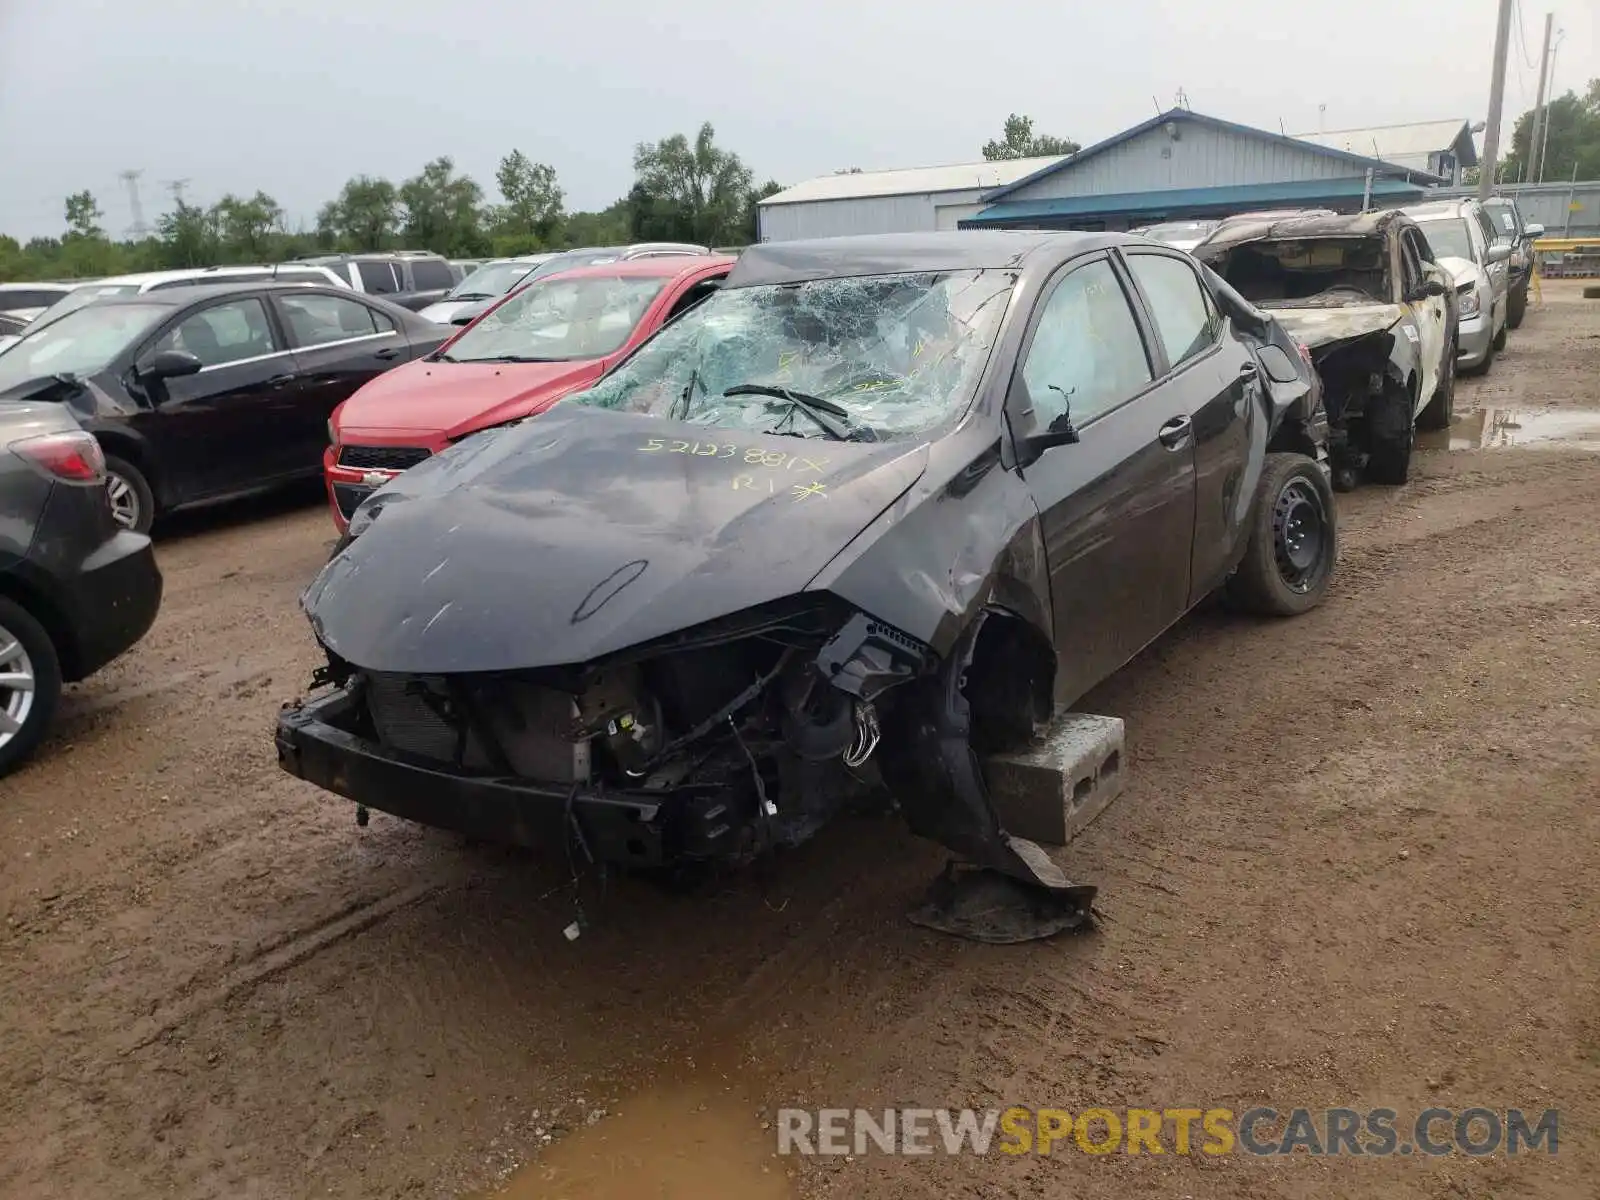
{"x":1248,"y":371}
{"x":1175,"y":433}
{"x":278,"y":381}
{"x":386,"y":353}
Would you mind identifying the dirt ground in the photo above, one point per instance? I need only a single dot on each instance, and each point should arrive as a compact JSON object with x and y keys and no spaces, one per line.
{"x":1357,"y":863}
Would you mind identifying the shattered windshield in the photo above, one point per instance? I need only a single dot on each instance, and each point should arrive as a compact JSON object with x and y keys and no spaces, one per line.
{"x":1310,"y":272}
{"x":873,"y":357}
{"x":559,"y":320}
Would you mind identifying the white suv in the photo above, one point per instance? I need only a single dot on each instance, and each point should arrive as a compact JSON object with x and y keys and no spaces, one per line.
{"x":1463,"y":241}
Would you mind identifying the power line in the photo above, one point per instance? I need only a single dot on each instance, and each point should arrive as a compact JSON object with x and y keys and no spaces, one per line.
{"x":1522,"y":40}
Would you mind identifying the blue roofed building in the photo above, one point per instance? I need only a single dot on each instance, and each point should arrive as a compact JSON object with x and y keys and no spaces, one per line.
{"x":1185,"y":165}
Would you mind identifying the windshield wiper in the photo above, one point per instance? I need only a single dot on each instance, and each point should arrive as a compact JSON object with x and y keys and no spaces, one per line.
{"x":508,"y":358}
{"x":471,"y":296}
{"x":814,"y":407}
{"x":439,"y":356}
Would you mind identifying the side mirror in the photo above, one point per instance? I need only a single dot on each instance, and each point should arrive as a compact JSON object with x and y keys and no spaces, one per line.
{"x":169,"y":364}
{"x":1499,"y":252}
{"x":1430,"y":289}
{"x":1532,"y":232}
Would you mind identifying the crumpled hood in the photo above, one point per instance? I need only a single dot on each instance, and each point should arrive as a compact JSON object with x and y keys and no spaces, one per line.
{"x":1315,"y":327}
{"x":583,"y":532}
{"x":1462,"y":270}
{"x":454,"y":398}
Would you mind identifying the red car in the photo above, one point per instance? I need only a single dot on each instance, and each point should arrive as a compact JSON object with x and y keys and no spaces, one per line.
{"x":555,"y":336}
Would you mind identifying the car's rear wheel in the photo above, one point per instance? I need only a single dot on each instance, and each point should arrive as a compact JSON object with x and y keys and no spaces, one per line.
{"x":1441,"y":409}
{"x":133,"y":505}
{"x":30,"y":684}
{"x":1294,"y":543}
{"x":1516,"y":307}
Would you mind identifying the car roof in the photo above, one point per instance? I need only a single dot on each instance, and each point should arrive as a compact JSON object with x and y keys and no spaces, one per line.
{"x":900,"y":253}
{"x":666,"y":267}
{"x":18,"y":285}
{"x":1435,"y":210}
{"x":175,"y":297}
{"x":1299,"y":227}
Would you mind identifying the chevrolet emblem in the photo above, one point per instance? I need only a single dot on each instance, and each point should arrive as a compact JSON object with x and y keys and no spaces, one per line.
{"x":376,"y":479}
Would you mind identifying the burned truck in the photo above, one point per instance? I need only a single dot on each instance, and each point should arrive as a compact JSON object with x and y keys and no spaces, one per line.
{"x":875,"y":509}
{"x":1379,"y":315}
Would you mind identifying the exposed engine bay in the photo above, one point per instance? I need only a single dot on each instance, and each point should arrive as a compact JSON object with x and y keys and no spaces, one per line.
{"x":715,"y":745}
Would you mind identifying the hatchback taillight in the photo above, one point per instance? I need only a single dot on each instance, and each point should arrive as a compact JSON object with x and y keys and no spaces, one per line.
{"x":73,"y":457}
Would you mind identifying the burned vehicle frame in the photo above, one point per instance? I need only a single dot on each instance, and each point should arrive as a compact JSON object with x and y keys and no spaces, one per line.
{"x":662,"y":640}
{"x":1378,"y":314}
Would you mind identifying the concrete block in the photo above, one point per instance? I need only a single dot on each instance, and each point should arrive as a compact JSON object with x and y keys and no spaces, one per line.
{"x":1050,"y":790}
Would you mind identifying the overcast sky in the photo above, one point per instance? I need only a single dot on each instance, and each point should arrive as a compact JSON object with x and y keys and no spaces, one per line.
{"x":296,"y":96}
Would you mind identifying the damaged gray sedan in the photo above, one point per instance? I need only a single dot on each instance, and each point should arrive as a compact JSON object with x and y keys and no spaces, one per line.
{"x":875,"y":509}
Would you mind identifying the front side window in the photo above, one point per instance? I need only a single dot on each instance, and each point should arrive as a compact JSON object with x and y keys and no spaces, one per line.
{"x":317,"y":320}
{"x":80,"y":343}
{"x":1184,"y":317}
{"x":559,"y":320}
{"x":1087,"y":356}
{"x":223,"y":333}
{"x":869,"y":357}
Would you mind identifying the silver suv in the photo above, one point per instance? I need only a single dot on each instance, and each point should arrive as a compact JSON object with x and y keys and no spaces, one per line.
{"x":1463,"y":241}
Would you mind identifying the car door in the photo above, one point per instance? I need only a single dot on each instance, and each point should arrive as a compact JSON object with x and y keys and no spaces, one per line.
{"x":341,"y":343}
{"x":1499,"y":272}
{"x":222,"y":429}
{"x":1217,"y":380}
{"x":1116,"y":508}
{"x":1426,"y":320}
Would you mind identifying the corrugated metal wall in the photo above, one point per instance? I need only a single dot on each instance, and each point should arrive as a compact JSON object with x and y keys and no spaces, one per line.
{"x":1200,"y":157}
{"x":1550,"y":205}
{"x":873,"y":214}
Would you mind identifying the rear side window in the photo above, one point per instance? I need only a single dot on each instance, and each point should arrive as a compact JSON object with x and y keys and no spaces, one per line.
{"x":1184,"y":316}
{"x":14,"y":298}
{"x":379,"y":278}
{"x":432,"y":274}
{"x":317,"y":320}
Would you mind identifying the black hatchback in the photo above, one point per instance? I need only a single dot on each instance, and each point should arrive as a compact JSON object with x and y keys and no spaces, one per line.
{"x":76,"y":590}
{"x":202,"y":393}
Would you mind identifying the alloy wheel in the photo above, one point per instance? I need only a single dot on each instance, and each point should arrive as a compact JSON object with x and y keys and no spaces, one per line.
{"x":16,"y":686}
{"x":1299,"y":534}
{"x":124,"y":501}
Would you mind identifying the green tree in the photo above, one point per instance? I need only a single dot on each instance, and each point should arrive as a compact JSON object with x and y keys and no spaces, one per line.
{"x":1020,"y":141}
{"x":693,"y":192}
{"x":188,"y":236}
{"x":249,"y":229}
{"x":610,"y":226}
{"x":364,"y":216}
{"x":533,"y":203}
{"x":84,"y":216}
{"x":443,"y":210}
{"x":1574,"y":140}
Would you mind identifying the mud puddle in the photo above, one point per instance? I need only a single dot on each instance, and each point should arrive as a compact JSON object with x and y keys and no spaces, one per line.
{"x":1501,"y":428}
{"x":693,"y":1139}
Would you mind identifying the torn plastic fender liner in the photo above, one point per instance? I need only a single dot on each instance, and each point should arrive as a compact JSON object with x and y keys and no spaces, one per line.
{"x":928,"y":762}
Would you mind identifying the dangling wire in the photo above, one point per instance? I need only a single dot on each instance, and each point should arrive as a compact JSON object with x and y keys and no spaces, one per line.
{"x":866,"y":739}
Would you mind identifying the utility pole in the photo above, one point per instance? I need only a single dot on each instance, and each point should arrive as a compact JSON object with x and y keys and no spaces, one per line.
{"x":1544,"y":133}
{"x":1497,"y":101}
{"x":176,"y":186}
{"x":1539,"y":117}
{"x":138,"y":231}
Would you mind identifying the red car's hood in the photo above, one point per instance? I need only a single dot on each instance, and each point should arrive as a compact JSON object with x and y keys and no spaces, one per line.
{"x":451,"y":399}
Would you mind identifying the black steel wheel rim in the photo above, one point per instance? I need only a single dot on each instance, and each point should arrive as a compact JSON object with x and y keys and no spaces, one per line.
{"x":1299,"y":534}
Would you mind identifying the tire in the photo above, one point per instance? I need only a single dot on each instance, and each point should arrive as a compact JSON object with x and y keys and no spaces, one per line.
{"x":34,"y":656}
{"x":1516,"y":308}
{"x":133,"y":504}
{"x":1592,"y":291}
{"x":1441,"y":409}
{"x":1389,"y":448}
{"x":1283,"y":574}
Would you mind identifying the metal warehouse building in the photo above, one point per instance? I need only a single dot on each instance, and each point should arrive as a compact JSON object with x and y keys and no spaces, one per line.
{"x":1177,"y":165}
{"x":914,"y":201}
{"x":1443,"y":148}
